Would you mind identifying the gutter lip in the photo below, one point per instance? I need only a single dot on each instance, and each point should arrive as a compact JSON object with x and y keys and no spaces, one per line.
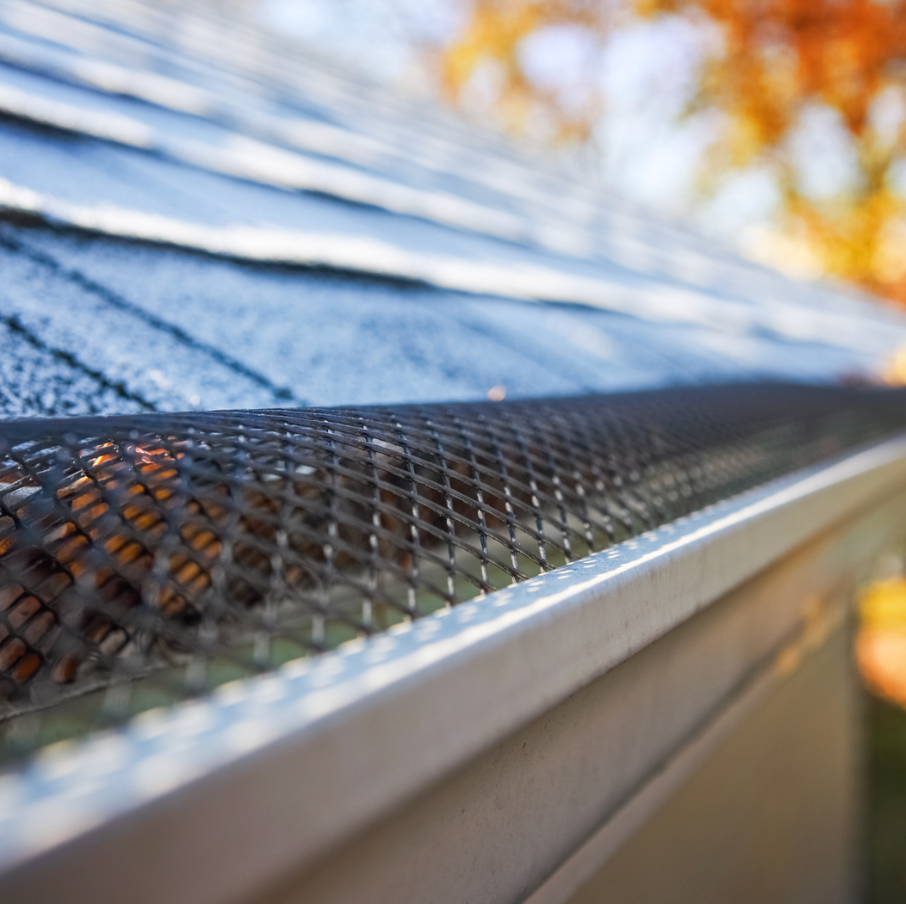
{"x":292,"y":754}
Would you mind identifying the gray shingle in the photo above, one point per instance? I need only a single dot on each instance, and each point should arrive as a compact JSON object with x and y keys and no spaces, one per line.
{"x":465,"y":263}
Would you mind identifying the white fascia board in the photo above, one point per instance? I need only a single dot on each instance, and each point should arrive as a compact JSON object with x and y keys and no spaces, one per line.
{"x":212,"y":800}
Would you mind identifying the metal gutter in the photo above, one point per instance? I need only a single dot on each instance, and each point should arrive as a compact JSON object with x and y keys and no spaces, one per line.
{"x":215,"y":799}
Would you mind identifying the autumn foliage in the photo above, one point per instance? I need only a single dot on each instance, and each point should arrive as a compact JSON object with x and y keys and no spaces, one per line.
{"x":881,"y":648}
{"x":772,"y":64}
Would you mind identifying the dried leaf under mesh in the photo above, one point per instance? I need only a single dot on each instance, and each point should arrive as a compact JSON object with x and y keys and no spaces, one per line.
{"x":185,"y":550}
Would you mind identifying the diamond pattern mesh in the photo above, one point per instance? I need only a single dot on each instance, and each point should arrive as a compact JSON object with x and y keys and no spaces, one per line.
{"x":145,"y":559}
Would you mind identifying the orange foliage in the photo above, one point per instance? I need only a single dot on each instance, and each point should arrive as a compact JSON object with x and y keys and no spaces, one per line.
{"x":493,"y":34}
{"x":775,"y":60}
{"x":881,"y":649}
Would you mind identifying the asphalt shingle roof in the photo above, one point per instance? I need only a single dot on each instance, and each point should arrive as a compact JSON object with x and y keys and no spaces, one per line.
{"x":199,"y":217}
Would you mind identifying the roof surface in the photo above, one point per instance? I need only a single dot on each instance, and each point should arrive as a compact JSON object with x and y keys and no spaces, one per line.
{"x":195,"y":214}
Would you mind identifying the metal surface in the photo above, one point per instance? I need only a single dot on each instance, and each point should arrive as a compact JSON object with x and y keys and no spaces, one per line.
{"x":493,"y":829}
{"x":762,"y":805}
{"x":189,"y":550}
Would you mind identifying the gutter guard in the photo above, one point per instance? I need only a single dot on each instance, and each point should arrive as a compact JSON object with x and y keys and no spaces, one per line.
{"x":289,"y":750}
{"x":149,"y":559}
{"x":295,"y":752}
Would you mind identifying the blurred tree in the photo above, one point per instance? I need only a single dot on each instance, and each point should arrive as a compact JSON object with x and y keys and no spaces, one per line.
{"x":771,"y":71}
{"x":491,"y":41}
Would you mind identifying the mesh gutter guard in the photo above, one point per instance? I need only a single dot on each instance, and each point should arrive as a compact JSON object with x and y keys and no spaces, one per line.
{"x":268,"y":776}
{"x":148,"y":559}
